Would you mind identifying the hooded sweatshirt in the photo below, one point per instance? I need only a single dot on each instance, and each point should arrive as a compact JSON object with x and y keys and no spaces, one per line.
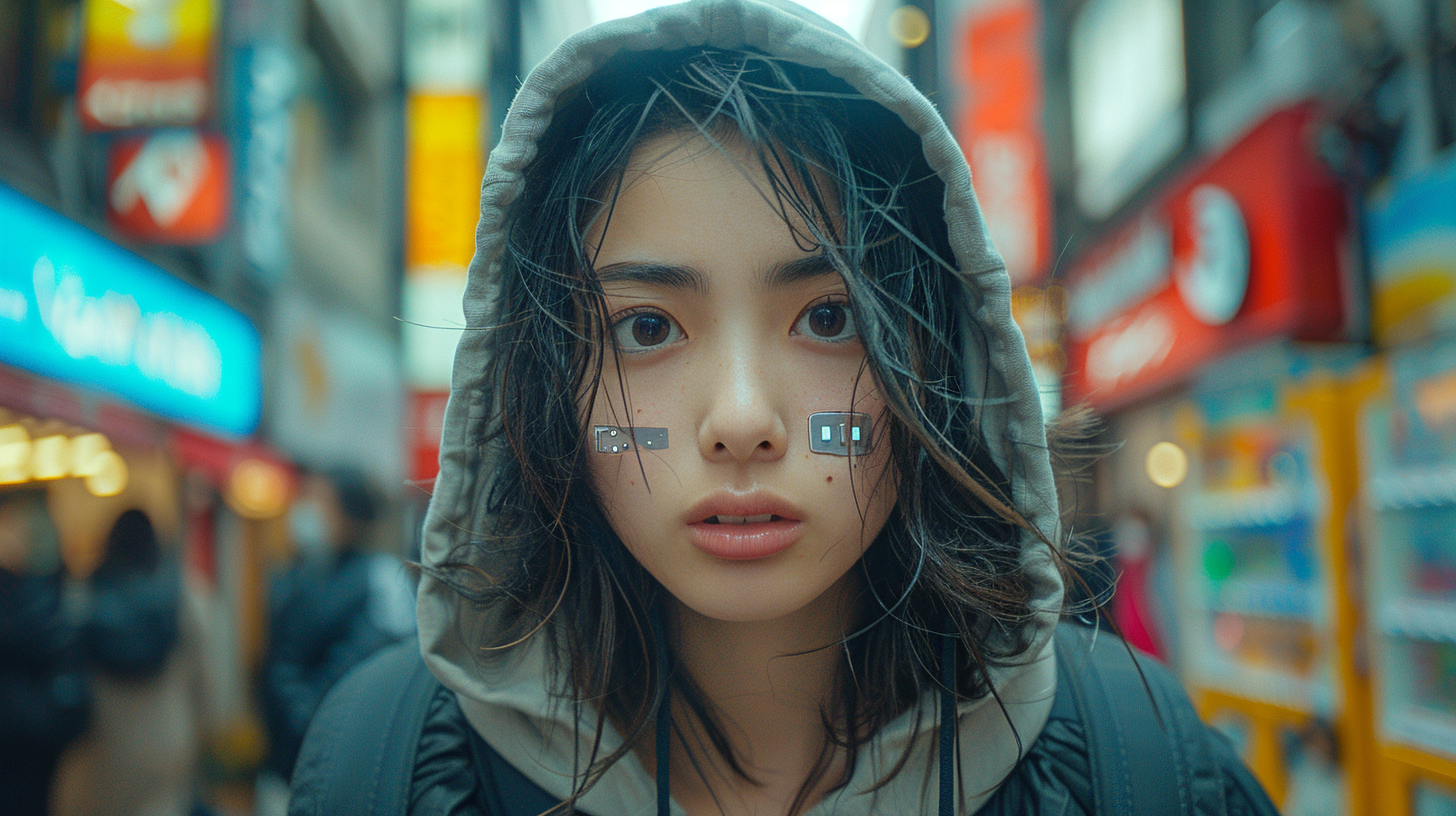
{"x":515,"y":705}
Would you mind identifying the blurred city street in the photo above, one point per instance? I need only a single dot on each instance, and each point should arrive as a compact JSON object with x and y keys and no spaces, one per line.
{"x":234,"y":237}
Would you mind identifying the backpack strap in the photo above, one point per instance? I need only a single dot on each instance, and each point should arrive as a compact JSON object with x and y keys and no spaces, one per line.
{"x":359,"y":754}
{"x":1138,"y":769}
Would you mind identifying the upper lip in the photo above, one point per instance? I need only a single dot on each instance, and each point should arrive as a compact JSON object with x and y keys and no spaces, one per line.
{"x":754,"y":503}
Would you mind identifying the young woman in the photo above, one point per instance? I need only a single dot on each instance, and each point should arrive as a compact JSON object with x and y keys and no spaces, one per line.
{"x":745,"y":503}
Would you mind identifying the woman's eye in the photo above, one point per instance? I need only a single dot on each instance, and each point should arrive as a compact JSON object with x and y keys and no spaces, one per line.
{"x":645,"y":330}
{"x":831,"y":322}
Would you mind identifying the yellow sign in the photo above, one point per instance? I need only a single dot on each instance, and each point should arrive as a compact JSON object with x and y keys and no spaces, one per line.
{"x":443,"y":171}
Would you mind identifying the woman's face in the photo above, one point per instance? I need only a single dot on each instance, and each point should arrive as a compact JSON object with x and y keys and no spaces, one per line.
{"x":732,"y":330}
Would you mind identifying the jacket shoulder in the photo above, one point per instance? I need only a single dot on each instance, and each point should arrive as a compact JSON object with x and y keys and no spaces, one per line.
{"x":1058,"y":773}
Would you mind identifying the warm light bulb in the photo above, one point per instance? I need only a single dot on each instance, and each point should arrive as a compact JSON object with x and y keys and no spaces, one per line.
{"x":50,"y":457}
{"x":1167,"y":464}
{"x":258,"y":489}
{"x":110,"y":476}
{"x":909,"y":26}
{"x":14,"y":455}
{"x":85,"y":450}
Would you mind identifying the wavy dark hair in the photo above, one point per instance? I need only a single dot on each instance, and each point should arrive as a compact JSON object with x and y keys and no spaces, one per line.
{"x":949,"y":557}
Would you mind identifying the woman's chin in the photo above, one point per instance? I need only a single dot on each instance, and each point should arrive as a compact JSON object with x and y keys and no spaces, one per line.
{"x":758,"y":598}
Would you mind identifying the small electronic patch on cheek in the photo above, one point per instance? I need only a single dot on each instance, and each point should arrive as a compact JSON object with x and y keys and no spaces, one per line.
{"x":840,"y":433}
{"x":615,"y":439}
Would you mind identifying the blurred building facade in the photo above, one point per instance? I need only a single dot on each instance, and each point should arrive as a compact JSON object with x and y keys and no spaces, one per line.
{"x":1232,"y":223}
{"x":203,"y":228}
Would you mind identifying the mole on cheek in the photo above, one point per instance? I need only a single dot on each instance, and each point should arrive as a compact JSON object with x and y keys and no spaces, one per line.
{"x":828,"y":479}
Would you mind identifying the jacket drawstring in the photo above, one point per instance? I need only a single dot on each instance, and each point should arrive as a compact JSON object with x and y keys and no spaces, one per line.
{"x":947,"y":722}
{"x":664,"y":715}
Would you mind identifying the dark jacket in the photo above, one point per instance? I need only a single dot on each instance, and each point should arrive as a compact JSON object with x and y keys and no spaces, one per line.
{"x":133,"y":623}
{"x":365,"y":738}
{"x":44,"y":698}
{"x":320,"y":628}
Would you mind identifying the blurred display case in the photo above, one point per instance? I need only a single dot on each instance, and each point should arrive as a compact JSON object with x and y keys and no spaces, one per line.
{"x":1408,"y":446}
{"x":1264,"y":572}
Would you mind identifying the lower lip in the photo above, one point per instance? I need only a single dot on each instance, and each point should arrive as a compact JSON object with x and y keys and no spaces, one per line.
{"x":745,"y":542}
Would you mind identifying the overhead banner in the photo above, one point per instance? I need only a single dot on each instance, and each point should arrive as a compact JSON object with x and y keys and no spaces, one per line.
{"x":77,"y":308}
{"x":447,"y":51}
{"x":145,"y":64}
{"x":264,"y":76}
{"x":998,"y":71}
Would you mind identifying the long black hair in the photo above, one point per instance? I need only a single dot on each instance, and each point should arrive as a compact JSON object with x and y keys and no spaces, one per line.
{"x":950,"y":557}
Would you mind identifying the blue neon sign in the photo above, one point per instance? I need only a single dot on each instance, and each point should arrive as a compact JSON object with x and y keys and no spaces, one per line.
{"x":78,"y":308}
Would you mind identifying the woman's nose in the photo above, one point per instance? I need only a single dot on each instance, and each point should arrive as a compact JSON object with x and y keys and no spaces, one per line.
{"x":742,"y":423}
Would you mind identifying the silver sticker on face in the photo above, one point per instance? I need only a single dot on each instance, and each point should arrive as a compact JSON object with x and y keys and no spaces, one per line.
{"x":614,"y":439}
{"x":840,"y":433}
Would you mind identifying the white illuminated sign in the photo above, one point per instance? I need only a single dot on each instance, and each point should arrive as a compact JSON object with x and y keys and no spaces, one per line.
{"x":1128,"y":91}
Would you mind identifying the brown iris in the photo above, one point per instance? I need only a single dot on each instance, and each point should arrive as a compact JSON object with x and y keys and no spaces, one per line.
{"x":650,"y":329}
{"x":827,"y":320}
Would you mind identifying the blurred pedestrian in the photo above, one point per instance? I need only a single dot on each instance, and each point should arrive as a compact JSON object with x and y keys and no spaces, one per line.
{"x":1134,"y":602}
{"x":143,"y":641}
{"x":44,"y":697}
{"x":334,"y":606}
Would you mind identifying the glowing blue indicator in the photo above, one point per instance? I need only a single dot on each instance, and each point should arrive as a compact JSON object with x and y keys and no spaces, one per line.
{"x":824,"y":433}
{"x":854,"y":433}
{"x":76,"y":307}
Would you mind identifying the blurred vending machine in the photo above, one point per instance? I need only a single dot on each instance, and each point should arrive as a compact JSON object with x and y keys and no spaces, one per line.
{"x":1264,"y":574}
{"x":1209,"y":291}
{"x":1408,"y":456}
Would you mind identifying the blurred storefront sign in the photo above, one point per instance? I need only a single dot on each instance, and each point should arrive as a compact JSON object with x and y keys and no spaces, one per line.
{"x":337,"y":392}
{"x":77,"y":308}
{"x":264,"y":79}
{"x":998,"y":69}
{"x":145,"y":64}
{"x":1251,"y":246}
{"x":446,"y":59}
{"x":1411,"y":238}
{"x":170,"y":187}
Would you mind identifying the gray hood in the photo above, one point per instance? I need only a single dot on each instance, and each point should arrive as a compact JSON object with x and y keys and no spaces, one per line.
{"x":511,"y":701}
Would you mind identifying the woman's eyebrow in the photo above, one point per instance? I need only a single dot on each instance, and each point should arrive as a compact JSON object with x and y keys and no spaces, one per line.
{"x":784,"y":275}
{"x":651,"y":274}
{"x":686,"y":278}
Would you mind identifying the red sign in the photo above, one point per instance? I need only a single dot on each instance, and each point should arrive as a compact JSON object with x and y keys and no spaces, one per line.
{"x":169,"y":187}
{"x":426,"y":422}
{"x":145,"y":64}
{"x":999,"y":128}
{"x":1251,"y":246}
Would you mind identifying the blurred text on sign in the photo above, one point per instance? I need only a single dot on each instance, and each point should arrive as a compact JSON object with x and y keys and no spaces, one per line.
{"x":145,"y":64}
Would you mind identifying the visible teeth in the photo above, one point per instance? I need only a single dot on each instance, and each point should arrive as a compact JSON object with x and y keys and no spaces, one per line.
{"x":725,"y":519}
